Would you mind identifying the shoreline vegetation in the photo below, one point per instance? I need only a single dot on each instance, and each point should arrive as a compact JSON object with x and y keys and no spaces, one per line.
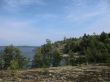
{"x":67,"y":55}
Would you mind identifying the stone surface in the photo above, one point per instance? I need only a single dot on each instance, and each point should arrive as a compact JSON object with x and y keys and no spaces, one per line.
{"x":59,"y":74}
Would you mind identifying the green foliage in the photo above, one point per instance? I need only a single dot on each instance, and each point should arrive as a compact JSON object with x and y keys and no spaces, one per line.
{"x":38,"y":59}
{"x":72,"y":59}
{"x":56,"y":58}
{"x":1,"y":61}
{"x":47,"y":50}
{"x":14,"y":64}
{"x":46,"y":56}
{"x":10,"y":58}
{"x":86,"y":49}
{"x":103,"y":36}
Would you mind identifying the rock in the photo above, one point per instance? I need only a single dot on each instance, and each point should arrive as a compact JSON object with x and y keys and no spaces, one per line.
{"x":61,"y":74}
{"x":1,"y":80}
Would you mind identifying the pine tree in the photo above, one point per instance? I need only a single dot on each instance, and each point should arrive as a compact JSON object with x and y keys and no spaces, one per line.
{"x":38,"y":59}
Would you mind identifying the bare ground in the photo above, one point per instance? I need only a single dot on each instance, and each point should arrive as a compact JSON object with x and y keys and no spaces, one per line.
{"x":88,"y":73}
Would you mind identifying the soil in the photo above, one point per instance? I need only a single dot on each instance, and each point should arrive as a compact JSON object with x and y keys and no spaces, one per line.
{"x":90,"y":73}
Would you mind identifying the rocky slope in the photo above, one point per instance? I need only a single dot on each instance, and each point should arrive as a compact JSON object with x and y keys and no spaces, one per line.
{"x":89,"y":73}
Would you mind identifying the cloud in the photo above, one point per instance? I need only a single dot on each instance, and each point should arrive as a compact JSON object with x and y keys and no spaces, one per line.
{"x":104,"y":5}
{"x":83,"y":17}
{"x":11,"y":5}
{"x":34,"y":26}
{"x":88,"y":16}
{"x":19,"y":32}
{"x":81,"y":10}
{"x":46,"y":16}
{"x":98,"y":26}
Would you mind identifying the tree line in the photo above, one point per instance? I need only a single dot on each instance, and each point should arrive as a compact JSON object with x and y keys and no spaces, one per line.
{"x":88,"y":49}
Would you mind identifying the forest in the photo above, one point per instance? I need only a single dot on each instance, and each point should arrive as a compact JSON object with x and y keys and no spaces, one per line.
{"x":87,"y":49}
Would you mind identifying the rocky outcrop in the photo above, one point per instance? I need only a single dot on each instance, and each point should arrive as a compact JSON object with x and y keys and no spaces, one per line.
{"x":59,"y":74}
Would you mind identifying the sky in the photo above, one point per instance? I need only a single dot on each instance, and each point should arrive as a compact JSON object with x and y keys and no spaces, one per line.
{"x":31,"y":22}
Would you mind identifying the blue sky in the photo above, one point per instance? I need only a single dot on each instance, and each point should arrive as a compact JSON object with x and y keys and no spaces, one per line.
{"x":30,"y":22}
